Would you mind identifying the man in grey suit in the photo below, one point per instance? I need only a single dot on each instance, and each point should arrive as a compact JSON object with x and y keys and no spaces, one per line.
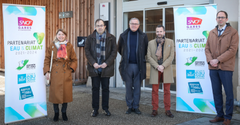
{"x":132,"y":46}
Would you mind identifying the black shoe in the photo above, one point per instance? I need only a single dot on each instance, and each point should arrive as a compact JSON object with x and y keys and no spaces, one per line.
{"x":64,"y":116}
{"x":137,"y":111}
{"x":94,"y":113}
{"x":106,"y":112}
{"x":133,"y":110}
{"x":56,"y":117}
{"x":129,"y":111}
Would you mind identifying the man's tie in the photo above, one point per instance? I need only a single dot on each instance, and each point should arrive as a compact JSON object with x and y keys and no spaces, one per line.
{"x":219,"y":32}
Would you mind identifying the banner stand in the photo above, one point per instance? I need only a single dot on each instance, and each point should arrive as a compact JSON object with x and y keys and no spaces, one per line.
{"x":192,"y":25}
{"x":24,"y":49}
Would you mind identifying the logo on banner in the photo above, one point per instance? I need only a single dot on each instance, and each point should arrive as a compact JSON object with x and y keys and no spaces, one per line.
{"x":190,"y":60}
{"x":199,"y":63}
{"x":193,"y":23}
{"x":24,"y":24}
{"x":26,"y":78}
{"x":31,"y":66}
{"x":195,"y":74}
{"x":39,"y":37}
{"x":25,"y":92}
{"x":195,"y":87}
{"x":21,"y":64}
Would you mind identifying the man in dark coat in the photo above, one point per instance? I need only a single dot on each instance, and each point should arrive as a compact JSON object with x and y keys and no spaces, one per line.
{"x":101,"y":51}
{"x":132,"y":46}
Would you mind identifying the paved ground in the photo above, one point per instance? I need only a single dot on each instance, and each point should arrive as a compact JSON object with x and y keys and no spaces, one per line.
{"x":79,"y":111}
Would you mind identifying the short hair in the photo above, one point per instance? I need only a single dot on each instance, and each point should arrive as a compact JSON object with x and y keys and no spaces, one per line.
{"x":159,"y":26}
{"x":223,"y":12}
{"x":134,"y":18}
{"x":64,"y":32}
{"x":99,"y":20}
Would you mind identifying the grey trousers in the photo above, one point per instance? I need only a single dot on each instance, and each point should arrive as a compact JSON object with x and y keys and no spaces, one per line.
{"x":133,"y":86}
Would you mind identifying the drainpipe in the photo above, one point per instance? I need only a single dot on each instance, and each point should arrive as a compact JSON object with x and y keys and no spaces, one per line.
{"x":236,"y":103}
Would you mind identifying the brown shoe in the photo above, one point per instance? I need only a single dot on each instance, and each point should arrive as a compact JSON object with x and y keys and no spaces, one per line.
{"x":226,"y":122}
{"x":154,"y":113}
{"x":216,"y":119}
{"x":169,"y":114}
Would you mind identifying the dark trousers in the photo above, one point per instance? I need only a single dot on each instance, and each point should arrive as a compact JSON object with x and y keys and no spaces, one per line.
{"x":96,"y":81}
{"x":56,"y":108}
{"x":133,"y":86}
{"x":219,"y":78}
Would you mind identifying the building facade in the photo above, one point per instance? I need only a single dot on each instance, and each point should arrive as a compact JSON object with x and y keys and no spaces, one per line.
{"x":150,"y":15}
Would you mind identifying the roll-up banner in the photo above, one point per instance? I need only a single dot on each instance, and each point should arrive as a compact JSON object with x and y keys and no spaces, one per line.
{"x":24,"y":49}
{"x":192,"y":26}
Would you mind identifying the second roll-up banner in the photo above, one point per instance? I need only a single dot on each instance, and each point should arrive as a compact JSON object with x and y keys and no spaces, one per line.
{"x":192,"y":26}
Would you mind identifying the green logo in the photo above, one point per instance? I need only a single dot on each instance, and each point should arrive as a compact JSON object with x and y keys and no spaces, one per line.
{"x":22,"y":63}
{"x":205,"y":33}
{"x":39,"y":37}
{"x":190,"y":60}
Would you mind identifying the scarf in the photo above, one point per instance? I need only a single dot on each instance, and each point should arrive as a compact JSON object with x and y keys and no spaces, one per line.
{"x":160,"y":41}
{"x":100,"y":46}
{"x":61,"y":49}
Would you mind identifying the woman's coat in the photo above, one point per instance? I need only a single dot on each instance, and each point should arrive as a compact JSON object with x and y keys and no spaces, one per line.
{"x":61,"y":74}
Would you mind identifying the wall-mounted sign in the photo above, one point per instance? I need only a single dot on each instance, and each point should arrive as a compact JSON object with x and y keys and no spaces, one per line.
{"x":104,"y":11}
{"x":67,"y":14}
{"x":81,"y":41}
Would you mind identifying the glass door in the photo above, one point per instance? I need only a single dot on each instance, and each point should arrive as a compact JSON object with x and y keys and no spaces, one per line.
{"x":149,"y":19}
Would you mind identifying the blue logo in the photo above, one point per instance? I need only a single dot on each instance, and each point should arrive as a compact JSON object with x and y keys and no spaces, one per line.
{"x":195,"y":74}
{"x":26,"y":78}
{"x":31,"y":77}
{"x":25,"y":92}
{"x":195,"y":87}
{"x":21,"y":78}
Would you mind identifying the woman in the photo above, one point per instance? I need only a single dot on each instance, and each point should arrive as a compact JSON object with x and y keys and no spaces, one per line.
{"x":64,"y":63}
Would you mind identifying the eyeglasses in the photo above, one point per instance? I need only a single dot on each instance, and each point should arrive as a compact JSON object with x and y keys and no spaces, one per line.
{"x":99,"y":25}
{"x":134,"y":24}
{"x":221,"y":18}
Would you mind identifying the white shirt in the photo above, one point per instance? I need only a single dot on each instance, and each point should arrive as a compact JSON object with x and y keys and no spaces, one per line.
{"x":222,"y":28}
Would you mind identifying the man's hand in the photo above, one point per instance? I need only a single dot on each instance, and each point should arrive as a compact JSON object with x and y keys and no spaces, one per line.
{"x":214,"y":62}
{"x":47,"y":76}
{"x":96,"y":66}
{"x":160,"y":68}
{"x":104,"y":65}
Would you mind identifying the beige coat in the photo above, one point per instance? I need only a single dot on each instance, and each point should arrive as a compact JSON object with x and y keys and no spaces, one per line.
{"x":61,"y":74}
{"x":168,"y":55}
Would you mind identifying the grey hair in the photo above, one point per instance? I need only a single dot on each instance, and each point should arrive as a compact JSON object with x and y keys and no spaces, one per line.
{"x":134,"y":18}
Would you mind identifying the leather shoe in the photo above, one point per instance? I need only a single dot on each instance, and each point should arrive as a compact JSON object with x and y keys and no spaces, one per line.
{"x":129,"y":110}
{"x":106,"y":112}
{"x":216,"y":119}
{"x":94,"y":113}
{"x":154,"y":113}
{"x":169,"y":114}
{"x":227,"y":122}
{"x":137,"y":111}
{"x":56,"y":117}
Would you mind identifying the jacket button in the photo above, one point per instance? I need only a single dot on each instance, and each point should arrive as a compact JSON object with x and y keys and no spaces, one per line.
{"x":56,"y":72}
{"x":64,"y":71}
{"x":57,"y":65}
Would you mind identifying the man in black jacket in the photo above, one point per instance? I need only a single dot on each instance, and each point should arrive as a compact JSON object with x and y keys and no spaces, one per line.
{"x":100,"y":51}
{"x":132,"y":46}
